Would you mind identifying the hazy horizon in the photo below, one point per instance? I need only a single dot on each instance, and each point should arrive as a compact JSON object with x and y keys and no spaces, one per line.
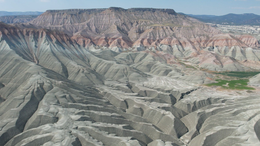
{"x":203,"y":7}
{"x":124,"y":8}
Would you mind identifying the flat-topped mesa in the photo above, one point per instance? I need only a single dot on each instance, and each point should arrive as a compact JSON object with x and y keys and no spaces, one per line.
{"x":148,"y":27}
{"x":72,"y":16}
{"x":74,"y":11}
{"x":169,"y":11}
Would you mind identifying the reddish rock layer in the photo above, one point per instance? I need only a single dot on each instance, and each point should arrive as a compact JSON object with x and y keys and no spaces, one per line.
{"x":133,"y":27}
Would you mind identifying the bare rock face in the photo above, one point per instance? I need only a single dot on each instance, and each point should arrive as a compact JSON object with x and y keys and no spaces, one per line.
{"x":140,"y":29}
{"x":61,"y":88}
{"x":137,"y":26}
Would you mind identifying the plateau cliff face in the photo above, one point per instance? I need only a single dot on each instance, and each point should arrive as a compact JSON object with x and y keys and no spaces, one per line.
{"x":124,"y":28}
{"x":150,"y":29}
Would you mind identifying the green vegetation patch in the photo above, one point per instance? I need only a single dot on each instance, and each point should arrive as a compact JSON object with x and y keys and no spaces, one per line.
{"x":239,"y":74}
{"x":232,"y":84}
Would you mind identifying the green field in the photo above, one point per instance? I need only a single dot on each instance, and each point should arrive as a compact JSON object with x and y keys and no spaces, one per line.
{"x":239,"y":74}
{"x":232,"y":84}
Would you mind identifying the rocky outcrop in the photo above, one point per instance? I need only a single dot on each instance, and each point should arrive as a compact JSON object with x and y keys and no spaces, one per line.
{"x":124,"y":28}
{"x":162,"y":30}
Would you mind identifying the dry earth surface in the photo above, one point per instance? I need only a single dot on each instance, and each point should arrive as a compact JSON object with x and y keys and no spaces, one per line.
{"x":117,"y":77}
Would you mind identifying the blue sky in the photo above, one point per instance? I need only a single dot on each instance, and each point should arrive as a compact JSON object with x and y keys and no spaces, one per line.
{"x":209,"y":7}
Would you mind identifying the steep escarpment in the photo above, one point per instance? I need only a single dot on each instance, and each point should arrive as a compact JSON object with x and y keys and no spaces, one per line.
{"x":163,"y":30}
{"x":124,"y":28}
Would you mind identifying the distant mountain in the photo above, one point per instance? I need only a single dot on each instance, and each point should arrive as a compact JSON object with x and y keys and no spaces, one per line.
{"x":5,"y":13}
{"x":124,"y":28}
{"x":230,"y":19}
{"x":17,"y":18}
{"x":200,"y":16}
